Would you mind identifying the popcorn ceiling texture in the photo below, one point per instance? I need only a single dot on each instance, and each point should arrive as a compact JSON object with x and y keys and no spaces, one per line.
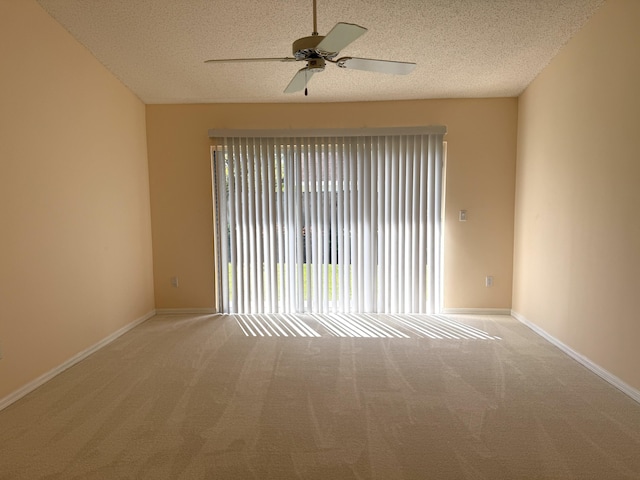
{"x":463,"y":48}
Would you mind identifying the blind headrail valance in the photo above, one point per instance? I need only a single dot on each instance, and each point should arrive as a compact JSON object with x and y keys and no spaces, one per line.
{"x":327,"y":132}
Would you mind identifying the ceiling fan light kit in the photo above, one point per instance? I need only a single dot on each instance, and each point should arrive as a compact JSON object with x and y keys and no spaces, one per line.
{"x":316,"y":50}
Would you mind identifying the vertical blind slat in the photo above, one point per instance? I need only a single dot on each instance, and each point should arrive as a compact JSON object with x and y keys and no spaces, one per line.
{"x":353,"y":226}
{"x":422,"y":237}
{"x":437,"y":220}
{"x":272,"y":222}
{"x":394,"y":232}
{"x":222,"y":211}
{"x":430,"y":227}
{"x":345,"y":261}
{"x":334,"y":224}
{"x":298,"y":235}
{"x":326,"y":227}
{"x":415,"y":227}
{"x":388,"y":221}
{"x":259,"y":226}
{"x":321,"y":230}
{"x":381,"y":233}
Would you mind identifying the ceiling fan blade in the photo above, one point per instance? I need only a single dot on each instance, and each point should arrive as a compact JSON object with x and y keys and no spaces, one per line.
{"x":340,"y":36}
{"x":382,"y":66}
{"x":299,"y":80}
{"x":242,"y":60}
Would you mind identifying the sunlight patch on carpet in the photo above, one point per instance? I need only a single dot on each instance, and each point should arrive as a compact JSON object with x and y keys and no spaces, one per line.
{"x":360,"y":325}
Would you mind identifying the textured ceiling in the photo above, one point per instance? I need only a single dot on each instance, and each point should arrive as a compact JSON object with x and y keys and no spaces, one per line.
{"x":463,"y":48}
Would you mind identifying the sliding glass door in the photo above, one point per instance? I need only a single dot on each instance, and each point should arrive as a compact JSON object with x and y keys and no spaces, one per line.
{"x":329,"y":224}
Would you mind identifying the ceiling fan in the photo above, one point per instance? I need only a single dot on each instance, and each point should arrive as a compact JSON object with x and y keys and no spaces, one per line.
{"x":316,"y":50}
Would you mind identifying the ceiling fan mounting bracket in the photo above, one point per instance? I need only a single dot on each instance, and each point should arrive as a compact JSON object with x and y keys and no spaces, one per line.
{"x":342,"y":62}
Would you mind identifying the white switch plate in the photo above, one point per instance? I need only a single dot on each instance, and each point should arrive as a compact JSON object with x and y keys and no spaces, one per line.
{"x":488,"y":281}
{"x":174,"y":282}
{"x":462,"y":216}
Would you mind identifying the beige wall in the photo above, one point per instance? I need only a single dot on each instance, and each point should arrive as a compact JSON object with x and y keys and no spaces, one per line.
{"x":75,"y":242}
{"x":480,"y":178}
{"x":577,"y":242}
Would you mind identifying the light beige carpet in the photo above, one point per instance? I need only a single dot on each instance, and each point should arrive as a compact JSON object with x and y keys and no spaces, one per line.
{"x":195,"y":397}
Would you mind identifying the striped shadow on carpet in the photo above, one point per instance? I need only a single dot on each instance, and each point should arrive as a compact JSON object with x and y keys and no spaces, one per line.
{"x":361,"y":325}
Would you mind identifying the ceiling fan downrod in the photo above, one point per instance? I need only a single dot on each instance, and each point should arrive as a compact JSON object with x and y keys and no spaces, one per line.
{"x":315,"y":20}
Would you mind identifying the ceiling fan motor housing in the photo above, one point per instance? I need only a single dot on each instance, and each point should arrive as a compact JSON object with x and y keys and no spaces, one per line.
{"x":305,"y":48}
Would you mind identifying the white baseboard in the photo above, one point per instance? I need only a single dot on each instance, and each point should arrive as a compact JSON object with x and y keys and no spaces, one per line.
{"x":42,"y":379}
{"x":186,"y":311}
{"x":476,"y":311}
{"x":597,"y":369}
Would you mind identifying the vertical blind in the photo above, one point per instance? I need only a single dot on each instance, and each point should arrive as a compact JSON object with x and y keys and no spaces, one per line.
{"x":329,"y":223}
